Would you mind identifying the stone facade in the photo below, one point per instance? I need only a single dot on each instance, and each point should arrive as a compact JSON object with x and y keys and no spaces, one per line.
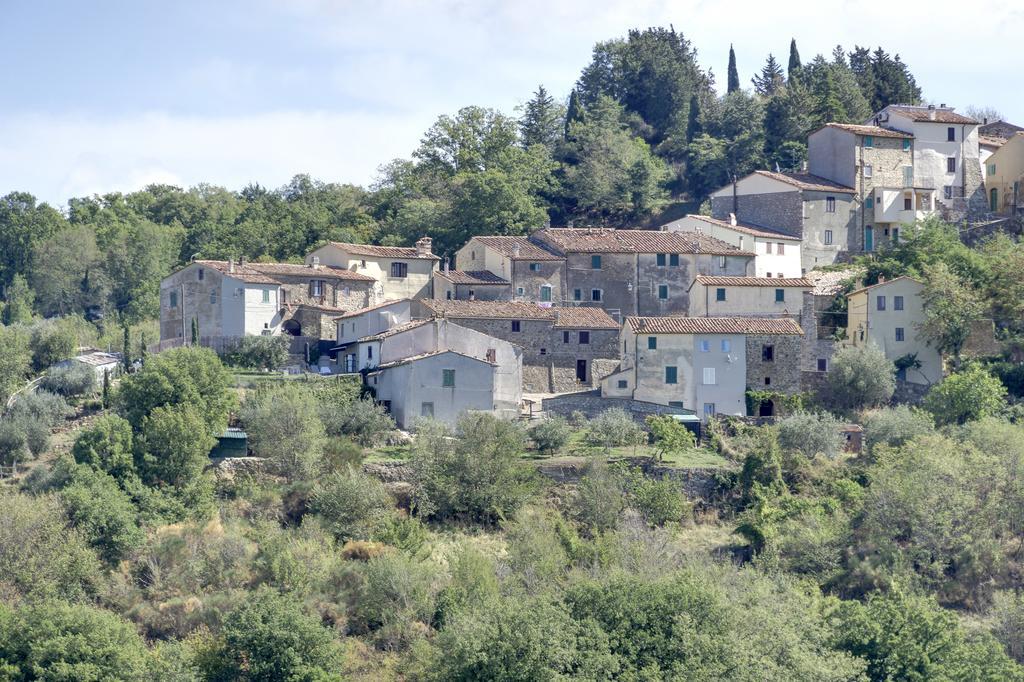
{"x":782,"y":211}
{"x":781,"y":372}
{"x":529,"y":278}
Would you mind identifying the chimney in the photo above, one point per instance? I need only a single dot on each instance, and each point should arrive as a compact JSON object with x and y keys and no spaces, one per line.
{"x":231,"y":264}
{"x":446,"y":264}
{"x":985,"y":121}
{"x":931,"y":112}
{"x":241,"y":261}
{"x":515,"y":250}
{"x":315,"y":262}
{"x":942,"y":106}
{"x":735,"y":195}
{"x":881,"y":279}
{"x":424,"y":246}
{"x":732,"y":219}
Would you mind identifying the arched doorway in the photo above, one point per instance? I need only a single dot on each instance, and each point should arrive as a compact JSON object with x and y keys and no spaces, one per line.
{"x":292,"y":327}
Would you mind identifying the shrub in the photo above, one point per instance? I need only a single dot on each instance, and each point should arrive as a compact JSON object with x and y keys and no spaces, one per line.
{"x":174,"y":446}
{"x":15,"y":359}
{"x":364,"y":421}
{"x":257,"y":352}
{"x":811,"y":433}
{"x":895,"y":426}
{"x":599,"y":497}
{"x":283,"y":427}
{"x":14,"y":448}
{"x":393,"y":598}
{"x":76,"y":379}
{"x":351,"y":504}
{"x":52,"y":341}
{"x":659,"y":500}
{"x":861,"y":376}
{"x":614,"y":427}
{"x":966,"y":396}
{"x":34,"y":415}
{"x":106,"y":446}
{"x":103,"y":513}
{"x":550,"y":435}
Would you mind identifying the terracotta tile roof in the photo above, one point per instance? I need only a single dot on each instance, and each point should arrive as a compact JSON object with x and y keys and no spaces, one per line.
{"x":584,"y":318}
{"x":830,"y":282}
{"x":243,"y":273}
{"x":746,"y":228}
{"x":604,"y":240}
{"x":714,"y":325}
{"x":806,"y":181}
{"x":986,"y":141}
{"x":421,"y":356}
{"x":382,"y":251}
{"x":878,"y":284}
{"x":923,"y":114}
{"x":367,"y":309}
{"x":873,"y":131}
{"x":527,"y":249}
{"x":471,"y":277}
{"x":319,"y":272}
{"x":397,"y":329}
{"x":776,"y":282}
{"x":499,"y":310}
{"x":999,"y":130}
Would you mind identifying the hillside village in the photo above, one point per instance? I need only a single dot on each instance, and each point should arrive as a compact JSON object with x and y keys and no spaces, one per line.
{"x":567,"y":309}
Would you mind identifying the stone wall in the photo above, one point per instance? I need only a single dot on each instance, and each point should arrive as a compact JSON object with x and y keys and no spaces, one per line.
{"x":908,"y":393}
{"x":337,"y":293}
{"x":782,"y":211}
{"x":530,"y":281}
{"x":591,"y":404}
{"x":617,"y":272}
{"x":194,"y":301}
{"x":783,"y":370}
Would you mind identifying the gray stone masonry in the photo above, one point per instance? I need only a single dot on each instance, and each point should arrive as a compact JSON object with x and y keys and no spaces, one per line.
{"x":549,"y":272}
{"x":784,"y":368}
{"x":612,"y":279}
{"x":782,"y":211}
{"x":193,"y":302}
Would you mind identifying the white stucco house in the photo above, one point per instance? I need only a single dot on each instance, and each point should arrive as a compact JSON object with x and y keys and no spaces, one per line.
{"x":403,"y":272}
{"x":712,"y":296}
{"x":776,"y":254}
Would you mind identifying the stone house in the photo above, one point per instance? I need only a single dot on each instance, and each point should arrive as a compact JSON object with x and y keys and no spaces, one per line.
{"x":946,"y":154}
{"x":629,"y":272}
{"x":819,"y":212}
{"x":777,"y":254}
{"x":355,"y":325}
{"x":879,"y":164}
{"x":563,"y":348}
{"x":888,"y":315}
{"x":748,"y":296}
{"x":403,"y":272}
{"x":1004,"y":176}
{"x":533,"y":272}
{"x":991,"y":136}
{"x":705,"y":364}
{"x":470,"y":285}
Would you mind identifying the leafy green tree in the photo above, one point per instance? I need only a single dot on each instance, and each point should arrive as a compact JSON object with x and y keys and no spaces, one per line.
{"x":770,"y":79}
{"x":258,"y":352}
{"x":19,"y":300}
{"x":573,"y":113}
{"x":67,"y":274}
{"x":268,"y":638}
{"x":694,"y":126}
{"x":966,"y":396}
{"x":614,"y":427}
{"x":733,"y":74}
{"x":106,"y":445}
{"x":60,"y":641}
{"x":173,"y":446}
{"x":477,"y":475}
{"x":473,"y":584}
{"x":126,"y":349}
{"x":542,"y":120}
{"x":52,"y":341}
{"x":894,"y":426}
{"x":76,"y":379}
{"x":15,"y":359}
{"x":861,"y":376}
{"x":1008,"y":622}
{"x":599,"y":497}
{"x":352,"y":504}
{"x":284,"y":428}
{"x":23,"y":224}
{"x":103,"y":513}
{"x":707,"y":165}
{"x":474,"y":140}
{"x":393,"y":599}
{"x":811,"y":433}
{"x":786,"y":122}
{"x":670,"y":436}
{"x":660,"y":501}
{"x":362,"y":420}
{"x":550,"y":435}
{"x":951,"y":307}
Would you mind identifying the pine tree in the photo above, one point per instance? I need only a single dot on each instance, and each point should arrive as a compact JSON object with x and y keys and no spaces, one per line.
{"x":126,"y":352}
{"x":574,"y":113}
{"x":541,"y":120}
{"x":693,"y":124}
{"x":768,"y":82}
{"x":734,"y":75}
{"x":195,"y":331}
{"x":793,"y":70}
{"x":828,"y":108}
{"x":839,"y":57}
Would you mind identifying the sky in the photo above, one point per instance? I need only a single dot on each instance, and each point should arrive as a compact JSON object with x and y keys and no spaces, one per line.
{"x":113,"y":95}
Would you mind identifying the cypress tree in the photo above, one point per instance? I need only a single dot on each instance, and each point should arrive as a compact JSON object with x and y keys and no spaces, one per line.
{"x":693,"y":126}
{"x":734,"y":75}
{"x":126,"y":352}
{"x":106,"y":389}
{"x":793,"y":70}
{"x":195,"y":331}
{"x":574,"y":113}
{"x":143,"y":351}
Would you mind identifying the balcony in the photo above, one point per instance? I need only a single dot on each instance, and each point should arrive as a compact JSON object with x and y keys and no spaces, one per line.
{"x":903,"y":204}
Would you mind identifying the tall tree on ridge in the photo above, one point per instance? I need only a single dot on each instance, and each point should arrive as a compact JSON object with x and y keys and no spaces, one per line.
{"x":693,"y":125}
{"x":574,"y":112}
{"x":793,"y":70}
{"x":541,"y":121}
{"x":734,"y":75}
{"x":770,"y":79}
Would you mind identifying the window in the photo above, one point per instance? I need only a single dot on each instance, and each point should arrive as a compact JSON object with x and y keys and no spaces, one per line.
{"x":719,"y":294}
{"x":767,"y":247}
{"x":402,"y":270}
{"x":472,"y":255}
{"x":869,"y":202}
{"x":623,"y":383}
{"x":868,"y":170}
{"x":767,"y":381}
{"x":545,"y":292}
{"x":709,"y":376}
{"x":534,"y":267}
{"x":266,"y":295}
{"x":675,"y":403}
{"x":663,"y":291}
{"x":899,"y":333}
{"x":830,"y":204}
{"x":947,"y":191}
{"x":448,"y":378}
{"x":767,"y":353}
{"x":202,"y":273}
{"x":577,"y":294}
{"x":661,"y":259}
{"x":670,"y":375}
{"x":705,"y":346}
{"x":426,"y":409}
{"x":584,"y":338}
{"x":174,"y":299}
{"x":316,"y":288}
{"x":543,"y":351}
{"x":951,"y":134}
{"x":213,"y":297}
{"x":709,"y":409}
{"x":726,"y":346}
{"x":828,"y":237}
{"x":515,"y":325}
{"x":908,"y":203}
{"x":652,"y":343}
{"x":673,"y":258}
{"x":951,"y":164}
{"x":721,"y":262}
{"x":780,"y":295}
{"x":369,"y":352}
{"x":448,"y":294}
{"x":822,"y":365}
{"x":906,"y":145}
{"x":991,"y":169}
{"x":520,"y":291}
{"x":780,"y":248}
{"x":897,"y":303}
{"x":565,"y":337}
{"x":869,"y":141}
{"x":595,"y":294}
{"x":895,"y":235}
{"x":595,"y":262}
{"x":769,"y":275}
{"x":880,"y":303}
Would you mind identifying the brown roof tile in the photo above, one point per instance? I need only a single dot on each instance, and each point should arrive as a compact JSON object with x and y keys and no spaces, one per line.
{"x":243,"y":273}
{"x":584,"y":318}
{"x":986,"y":141}
{"x":319,"y":272}
{"x":878,"y":284}
{"x":507,"y":245}
{"x":830,"y":282}
{"x":806,"y":181}
{"x":367,"y":309}
{"x":471,"y":277}
{"x":714,"y":325}
{"x":873,"y":131}
{"x":421,"y":356}
{"x":383,"y":251}
{"x":777,"y":282}
{"x":746,"y":228}
{"x":502,"y":310}
{"x":923,"y":114}
{"x":397,"y":329}
{"x":604,"y":240}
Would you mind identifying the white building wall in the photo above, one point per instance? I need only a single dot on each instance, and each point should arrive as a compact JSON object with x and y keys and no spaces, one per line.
{"x":932,"y":149}
{"x":728,"y":392}
{"x":745,"y":301}
{"x":786,"y":264}
{"x":260,"y":315}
